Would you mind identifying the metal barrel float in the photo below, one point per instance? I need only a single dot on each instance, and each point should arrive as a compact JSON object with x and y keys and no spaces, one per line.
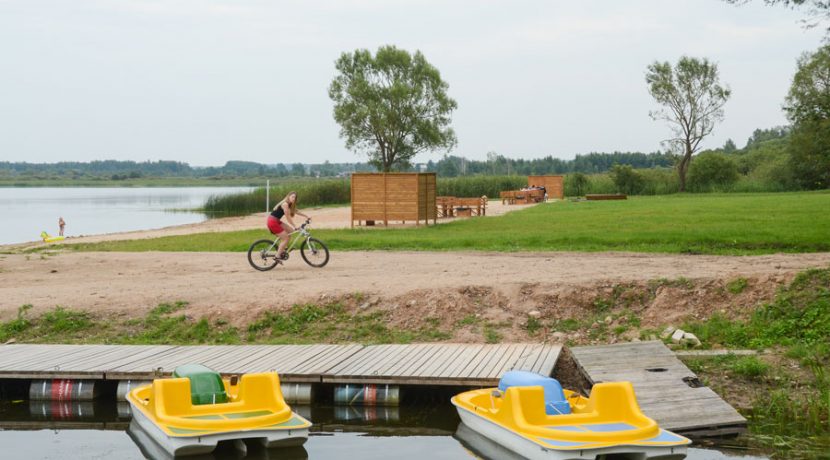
{"x":367,"y":395}
{"x":297,"y":393}
{"x":126,"y":386}
{"x":63,"y":390}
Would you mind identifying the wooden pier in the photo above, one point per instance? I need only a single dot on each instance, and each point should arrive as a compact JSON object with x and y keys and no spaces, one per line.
{"x":666,"y":389}
{"x":416,"y":364}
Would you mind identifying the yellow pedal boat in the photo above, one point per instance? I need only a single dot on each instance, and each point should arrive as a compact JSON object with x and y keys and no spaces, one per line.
{"x":196,"y":409}
{"x":532,"y":416}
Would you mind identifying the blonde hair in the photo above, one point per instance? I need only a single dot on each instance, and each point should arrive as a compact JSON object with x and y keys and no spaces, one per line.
{"x":292,"y":207}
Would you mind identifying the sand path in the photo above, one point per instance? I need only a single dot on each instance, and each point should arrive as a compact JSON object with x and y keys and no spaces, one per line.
{"x":223,"y":283}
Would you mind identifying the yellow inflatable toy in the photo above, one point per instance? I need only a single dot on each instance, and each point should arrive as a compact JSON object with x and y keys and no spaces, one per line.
{"x":47,"y":238}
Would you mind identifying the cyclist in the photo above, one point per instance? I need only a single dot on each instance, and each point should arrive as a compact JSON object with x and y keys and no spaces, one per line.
{"x":286,"y":208}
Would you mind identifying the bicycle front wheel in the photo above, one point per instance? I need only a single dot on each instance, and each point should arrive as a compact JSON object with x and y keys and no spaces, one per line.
{"x":314,"y":252}
{"x":262,"y":255}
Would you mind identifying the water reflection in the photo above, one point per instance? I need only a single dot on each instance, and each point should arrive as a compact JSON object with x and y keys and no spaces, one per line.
{"x":235,"y":450}
{"x":68,"y":431}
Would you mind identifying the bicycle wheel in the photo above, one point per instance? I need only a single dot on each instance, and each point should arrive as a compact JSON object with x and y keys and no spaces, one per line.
{"x":262,"y":255}
{"x":314,"y":252}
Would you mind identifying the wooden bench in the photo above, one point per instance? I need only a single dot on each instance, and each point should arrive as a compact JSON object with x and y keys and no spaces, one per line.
{"x":446,"y":206}
{"x":606,"y":196}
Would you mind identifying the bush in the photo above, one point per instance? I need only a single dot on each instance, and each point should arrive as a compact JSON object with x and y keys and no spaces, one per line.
{"x":309,"y":193}
{"x":627,"y":180}
{"x":810,"y":155}
{"x":711,"y":171}
{"x":576,"y":184}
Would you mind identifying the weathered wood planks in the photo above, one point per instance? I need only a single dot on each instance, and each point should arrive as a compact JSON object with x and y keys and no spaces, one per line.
{"x":442,"y":364}
{"x":414,"y":364}
{"x":658,"y":379}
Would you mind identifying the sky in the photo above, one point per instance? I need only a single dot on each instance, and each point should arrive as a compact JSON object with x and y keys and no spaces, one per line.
{"x":207,"y":81}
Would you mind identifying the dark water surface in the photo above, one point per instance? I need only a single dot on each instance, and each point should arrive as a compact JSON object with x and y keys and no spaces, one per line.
{"x":35,"y":430}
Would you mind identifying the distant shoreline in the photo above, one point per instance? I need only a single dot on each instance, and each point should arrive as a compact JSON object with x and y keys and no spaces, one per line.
{"x":135,"y":183}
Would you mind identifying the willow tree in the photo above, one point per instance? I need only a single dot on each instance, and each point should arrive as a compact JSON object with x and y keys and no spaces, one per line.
{"x":692,"y":98}
{"x":391,"y":106}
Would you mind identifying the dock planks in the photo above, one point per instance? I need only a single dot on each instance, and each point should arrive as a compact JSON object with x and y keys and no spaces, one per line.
{"x":412,"y":364}
{"x":442,"y":364}
{"x":657,"y":376}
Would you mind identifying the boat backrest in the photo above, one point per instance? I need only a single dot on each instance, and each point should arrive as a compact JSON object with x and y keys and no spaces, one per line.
{"x":555,"y":402}
{"x":206,"y":385}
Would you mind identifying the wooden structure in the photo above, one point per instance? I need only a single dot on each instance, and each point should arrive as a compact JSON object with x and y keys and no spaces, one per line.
{"x":554,"y":185}
{"x":414,"y":364}
{"x":666,"y":389}
{"x":606,"y":196}
{"x":448,"y":206}
{"x":397,"y":197}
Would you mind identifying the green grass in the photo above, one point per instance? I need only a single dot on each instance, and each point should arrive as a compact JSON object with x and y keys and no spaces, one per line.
{"x":695,"y":224}
{"x":737,"y":285}
{"x":165,"y":324}
{"x":792,"y":412}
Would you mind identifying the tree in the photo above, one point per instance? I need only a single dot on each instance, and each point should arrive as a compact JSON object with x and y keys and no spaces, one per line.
{"x":808,"y":108}
{"x":819,"y":10}
{"x":391,"y":106}
{"x":693,"y":100}
{"x":579,"y":183}
{"x":711,"y":170}
{"x":729,"y":146}
{"x":627,"y":180}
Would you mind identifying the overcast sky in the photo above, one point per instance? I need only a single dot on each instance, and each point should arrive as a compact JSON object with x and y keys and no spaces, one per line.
{"x":206,"y":81}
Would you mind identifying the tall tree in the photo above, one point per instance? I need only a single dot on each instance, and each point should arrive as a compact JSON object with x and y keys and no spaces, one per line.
{"x":817,"y":10}
{"x":391,"y":106}
{"x":692,"y":98}
{"x":808,"y":108}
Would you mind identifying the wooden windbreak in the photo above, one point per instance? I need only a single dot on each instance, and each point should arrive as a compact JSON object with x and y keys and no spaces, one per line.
{"x":554,"y":185}
{"x":396,"y":197}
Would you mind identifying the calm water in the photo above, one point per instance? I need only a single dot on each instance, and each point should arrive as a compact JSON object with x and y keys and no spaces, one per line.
{"x":45,"y":431}
{"x":26,"y":211}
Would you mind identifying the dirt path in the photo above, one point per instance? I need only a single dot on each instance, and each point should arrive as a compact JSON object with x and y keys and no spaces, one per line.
{"x":129,"y":284}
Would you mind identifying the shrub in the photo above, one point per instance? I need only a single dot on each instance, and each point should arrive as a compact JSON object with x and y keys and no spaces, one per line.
{"x":576,"y":184}
{"x":712,"y":171}
{"x":627,"y":180}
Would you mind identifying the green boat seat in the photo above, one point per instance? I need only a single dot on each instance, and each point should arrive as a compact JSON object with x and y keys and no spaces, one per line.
{"x":206,"y":385}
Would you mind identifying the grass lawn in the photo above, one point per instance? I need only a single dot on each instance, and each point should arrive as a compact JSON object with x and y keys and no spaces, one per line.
{"x":758,"y":223}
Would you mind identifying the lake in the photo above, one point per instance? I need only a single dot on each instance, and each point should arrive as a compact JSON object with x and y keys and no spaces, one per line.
{"x":26,"y":211}
{"x":48,"y":430}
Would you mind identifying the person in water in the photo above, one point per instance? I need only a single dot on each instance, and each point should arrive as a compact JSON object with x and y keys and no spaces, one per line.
{"x":286,"y":208}
{"x":61,"y":225}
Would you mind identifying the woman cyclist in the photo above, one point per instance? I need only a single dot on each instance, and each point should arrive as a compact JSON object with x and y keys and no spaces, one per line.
{"x":286,"y":208}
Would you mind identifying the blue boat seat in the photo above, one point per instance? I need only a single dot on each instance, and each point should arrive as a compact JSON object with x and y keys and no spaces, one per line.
{"x":555,"y":402}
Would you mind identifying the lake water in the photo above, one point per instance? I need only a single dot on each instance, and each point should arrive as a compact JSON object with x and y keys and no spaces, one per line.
{"x":37,"y":430}
{"x":26,"y":211}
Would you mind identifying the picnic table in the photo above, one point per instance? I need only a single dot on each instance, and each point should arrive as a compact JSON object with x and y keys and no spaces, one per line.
{"x":448,"y":206}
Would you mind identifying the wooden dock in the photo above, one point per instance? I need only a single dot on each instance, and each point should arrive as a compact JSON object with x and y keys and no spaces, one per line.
{"x":415,"y":364}
{"x":666,"y":389}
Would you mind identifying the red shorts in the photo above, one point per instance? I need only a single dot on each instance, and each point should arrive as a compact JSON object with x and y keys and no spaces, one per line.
{"x":275,"y":225}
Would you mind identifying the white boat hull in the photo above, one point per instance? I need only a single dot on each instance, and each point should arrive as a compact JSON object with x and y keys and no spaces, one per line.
{"x":197,"y":445}
{"x":533,"y":451}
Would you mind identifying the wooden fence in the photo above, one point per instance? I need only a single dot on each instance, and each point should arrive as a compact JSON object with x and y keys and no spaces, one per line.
{"x":396,"y":197}
{"x":554,"y":185}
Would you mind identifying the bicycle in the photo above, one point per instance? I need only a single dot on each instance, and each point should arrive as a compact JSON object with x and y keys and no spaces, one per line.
{"x":262,"y":255}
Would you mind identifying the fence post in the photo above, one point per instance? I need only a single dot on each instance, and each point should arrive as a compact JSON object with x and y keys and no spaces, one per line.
{"x":267,"y":195}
